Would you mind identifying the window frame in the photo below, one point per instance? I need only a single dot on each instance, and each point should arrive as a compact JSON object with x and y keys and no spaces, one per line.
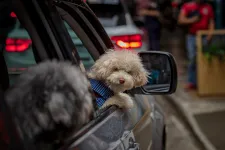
{"x":83,"y":29}
{"x":81,"y":34}
{"x":81,"y":15}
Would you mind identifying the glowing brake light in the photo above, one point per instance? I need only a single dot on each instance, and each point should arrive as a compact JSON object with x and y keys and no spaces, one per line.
{"x":128,"y":41}
{"x":17,"y":45}
{"x":13,"y":15}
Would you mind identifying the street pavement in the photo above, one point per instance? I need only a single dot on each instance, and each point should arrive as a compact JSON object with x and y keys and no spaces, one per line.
{"x":212,"y":125}
{"x":203,"y":116}
{"x":193,"y":123}
{"x":179,"y":135}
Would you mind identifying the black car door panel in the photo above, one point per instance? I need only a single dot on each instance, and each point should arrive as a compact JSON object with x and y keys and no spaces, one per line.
{"x":105,"y":134}
{"x":120,"y":130}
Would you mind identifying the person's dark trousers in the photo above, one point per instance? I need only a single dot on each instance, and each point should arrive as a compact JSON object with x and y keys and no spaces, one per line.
{"x":191,"y":47}
{"x":154,"y":39}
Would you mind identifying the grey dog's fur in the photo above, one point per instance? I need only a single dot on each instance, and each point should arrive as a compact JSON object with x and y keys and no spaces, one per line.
{"x":49,"y":101}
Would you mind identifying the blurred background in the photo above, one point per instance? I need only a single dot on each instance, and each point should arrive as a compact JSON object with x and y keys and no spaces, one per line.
{"x":194,"y":115}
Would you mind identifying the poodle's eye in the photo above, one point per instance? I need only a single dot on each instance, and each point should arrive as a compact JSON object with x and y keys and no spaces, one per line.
{"x":115,"y":69}
{"x":129,"y":72}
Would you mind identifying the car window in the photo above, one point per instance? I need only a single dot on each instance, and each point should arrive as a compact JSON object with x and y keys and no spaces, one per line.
{"x":19,"y":54}
{"x":82,"y":51}
{"x":110,"y":13}
{"x":18,"y":51}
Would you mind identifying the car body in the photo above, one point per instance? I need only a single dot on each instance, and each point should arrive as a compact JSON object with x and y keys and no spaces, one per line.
{"x":118,"y":23}
{"x":83,"y":40}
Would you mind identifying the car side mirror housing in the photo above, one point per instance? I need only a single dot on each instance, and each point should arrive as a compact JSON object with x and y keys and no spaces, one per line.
{"x":162,"y":73}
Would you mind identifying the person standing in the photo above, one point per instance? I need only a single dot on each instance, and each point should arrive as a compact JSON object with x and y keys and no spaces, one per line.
{"x":152,"y":23}
{"x":197,"y":15}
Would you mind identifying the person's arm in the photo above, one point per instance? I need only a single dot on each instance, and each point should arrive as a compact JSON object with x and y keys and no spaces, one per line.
{"x":211,"y":25}
{"x":184,"y":20}
{"x":211,"y":28}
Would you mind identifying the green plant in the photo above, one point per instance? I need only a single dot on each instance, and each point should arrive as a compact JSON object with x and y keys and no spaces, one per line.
{"x":216,"y":49}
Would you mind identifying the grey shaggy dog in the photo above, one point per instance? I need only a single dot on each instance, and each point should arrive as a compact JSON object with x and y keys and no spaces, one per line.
{"x":49,"y":102}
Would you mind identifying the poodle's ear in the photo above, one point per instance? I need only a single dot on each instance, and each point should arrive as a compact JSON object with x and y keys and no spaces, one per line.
{"x":102,"y":68}
{"x":91,"y":74}
{"x":141,"y":79}
{"x":97,"y":73}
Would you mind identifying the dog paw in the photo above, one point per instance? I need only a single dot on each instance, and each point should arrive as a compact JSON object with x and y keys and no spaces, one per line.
{"x":121,"y":100}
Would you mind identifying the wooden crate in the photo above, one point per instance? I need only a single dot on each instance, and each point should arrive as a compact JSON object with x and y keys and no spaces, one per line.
{"x":210,"y":75}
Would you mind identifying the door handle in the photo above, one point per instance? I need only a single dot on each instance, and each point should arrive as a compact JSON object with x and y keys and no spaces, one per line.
{"x":129,"y":142}
{"x":136,"y":147}
{"x":133,"y":145}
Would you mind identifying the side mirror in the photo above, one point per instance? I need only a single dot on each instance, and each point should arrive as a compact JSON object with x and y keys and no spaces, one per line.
{"x":163,"y":73}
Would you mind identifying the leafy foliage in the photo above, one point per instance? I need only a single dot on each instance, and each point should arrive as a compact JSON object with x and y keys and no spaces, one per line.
{"x":215,"y":49}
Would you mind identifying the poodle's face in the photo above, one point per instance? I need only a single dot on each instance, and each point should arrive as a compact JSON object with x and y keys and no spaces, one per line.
{"x":120,"y":70}
{"x":51,"y":94}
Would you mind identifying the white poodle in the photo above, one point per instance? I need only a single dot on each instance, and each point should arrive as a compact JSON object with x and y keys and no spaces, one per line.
{"x":115,"y":72}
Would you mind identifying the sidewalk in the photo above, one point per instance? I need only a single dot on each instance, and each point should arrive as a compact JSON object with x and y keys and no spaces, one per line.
{"x":205,"y":116}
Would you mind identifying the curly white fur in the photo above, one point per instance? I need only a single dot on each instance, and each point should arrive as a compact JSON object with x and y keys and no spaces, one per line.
{"x":120,"y":71}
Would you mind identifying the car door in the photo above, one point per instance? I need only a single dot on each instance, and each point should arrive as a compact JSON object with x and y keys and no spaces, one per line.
{"x":136,"y":123}
{"x":112,"y":128}
{"x":45,"y":46}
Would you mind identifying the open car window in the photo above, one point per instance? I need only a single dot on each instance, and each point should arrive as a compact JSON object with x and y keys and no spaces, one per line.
{"x":18,"y":51}
{"x":90,"y":40}
{"x":84,"y":54}
{"x":19,"y":54}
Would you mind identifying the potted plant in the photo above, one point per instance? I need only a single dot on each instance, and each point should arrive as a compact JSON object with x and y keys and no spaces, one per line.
{"x":216,"y":49}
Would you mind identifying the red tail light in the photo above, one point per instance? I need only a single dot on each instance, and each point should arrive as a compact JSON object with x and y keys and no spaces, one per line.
{"x":128,"y":41}
{"x":13,"y":15}
{"x":17,"y":45}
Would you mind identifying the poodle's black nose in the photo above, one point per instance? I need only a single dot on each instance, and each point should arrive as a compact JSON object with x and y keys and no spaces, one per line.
{"x":122,"y":81}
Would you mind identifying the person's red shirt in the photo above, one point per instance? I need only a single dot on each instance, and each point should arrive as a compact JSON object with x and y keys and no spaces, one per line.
{"x":206,"y":12}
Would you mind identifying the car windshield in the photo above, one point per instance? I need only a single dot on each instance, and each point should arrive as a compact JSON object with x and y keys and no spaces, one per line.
{"x":110,"y":14}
